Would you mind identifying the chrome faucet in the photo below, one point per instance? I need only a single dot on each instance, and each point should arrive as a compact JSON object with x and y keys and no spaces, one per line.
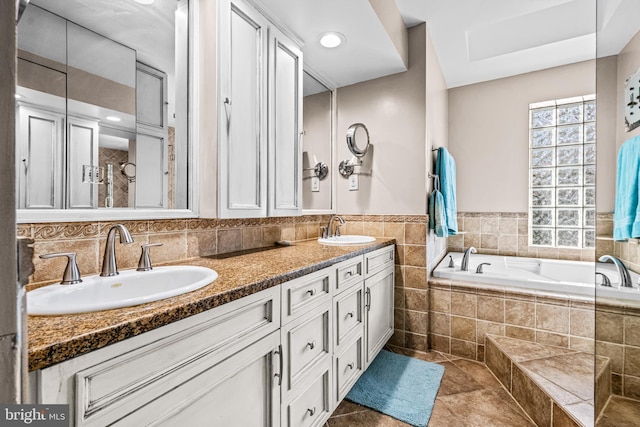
{"x":109,"y":266}
{"x":464,"y":266}
{"x":625,"y":277}
{"x":330,"y":226}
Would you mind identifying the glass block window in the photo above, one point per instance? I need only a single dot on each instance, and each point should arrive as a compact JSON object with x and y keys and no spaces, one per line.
{"x":562,"y":157}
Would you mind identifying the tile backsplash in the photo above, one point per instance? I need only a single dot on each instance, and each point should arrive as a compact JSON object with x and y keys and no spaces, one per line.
{"x":181,"y":239}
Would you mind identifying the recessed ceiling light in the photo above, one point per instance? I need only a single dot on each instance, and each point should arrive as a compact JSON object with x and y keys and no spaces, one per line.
{"x":332,"y":39}
{"x":113,"y":118}
{"x":145,"y":1}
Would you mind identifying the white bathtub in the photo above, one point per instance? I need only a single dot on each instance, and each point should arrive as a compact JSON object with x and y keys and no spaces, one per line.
{"x":547,"y":275}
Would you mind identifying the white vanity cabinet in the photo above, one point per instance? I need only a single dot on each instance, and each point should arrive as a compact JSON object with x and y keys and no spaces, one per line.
{"x":285,"y":356}
{"x":378,"y":306}
{"x":259,"y":116}
{"x":307,"y":347}
{"x":219,"y":367}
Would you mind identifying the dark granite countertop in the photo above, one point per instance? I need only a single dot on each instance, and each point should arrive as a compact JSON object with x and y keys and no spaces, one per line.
{"x":54,"y":339}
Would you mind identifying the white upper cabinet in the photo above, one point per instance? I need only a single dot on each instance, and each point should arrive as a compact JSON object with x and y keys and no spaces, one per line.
{"x":259,"y":116}
{"x":285,"y":126}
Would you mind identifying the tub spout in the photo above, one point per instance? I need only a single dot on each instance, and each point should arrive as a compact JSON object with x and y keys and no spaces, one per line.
{"x":465,"y":258}
{"x":625,"y":277}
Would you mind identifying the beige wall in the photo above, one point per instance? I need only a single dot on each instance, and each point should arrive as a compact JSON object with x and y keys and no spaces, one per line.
{"x":393,"y":109}
{"x":606,"y":74}
{"x":488,"y":133}
{"x":317,"y":147}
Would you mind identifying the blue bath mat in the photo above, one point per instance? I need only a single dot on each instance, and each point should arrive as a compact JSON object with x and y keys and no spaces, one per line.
{"x":399,"y":386}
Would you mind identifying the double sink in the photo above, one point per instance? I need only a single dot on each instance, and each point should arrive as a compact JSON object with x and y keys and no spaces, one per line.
{"x":131,"y":287}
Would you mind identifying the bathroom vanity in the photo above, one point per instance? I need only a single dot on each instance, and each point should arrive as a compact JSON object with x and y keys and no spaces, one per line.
{"x":254,"y":348}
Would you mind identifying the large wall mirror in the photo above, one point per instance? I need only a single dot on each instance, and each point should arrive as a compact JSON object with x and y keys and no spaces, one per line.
{"x":317,"y":160}
{"x":102,"y":109}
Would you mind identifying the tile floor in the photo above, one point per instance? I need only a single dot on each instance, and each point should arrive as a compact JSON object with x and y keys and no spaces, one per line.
{"x":619,"y":412}
{"x":469,"y":396}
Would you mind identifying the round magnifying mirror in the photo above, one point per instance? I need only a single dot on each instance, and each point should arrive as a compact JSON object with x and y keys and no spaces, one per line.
{"x":128,"y":169}
{"x":358,"y":139}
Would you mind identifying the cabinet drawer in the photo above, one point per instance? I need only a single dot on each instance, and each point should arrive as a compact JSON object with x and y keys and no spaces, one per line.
{"x":349,"y":273}
{"x":349,"y":364}
{"x":144,"y":370}
{"x":378,"y":260}
{"x":306,"y":343}
{"x":347,"y":312}
{"x":312,"y":407}
{"x":302,"y":294}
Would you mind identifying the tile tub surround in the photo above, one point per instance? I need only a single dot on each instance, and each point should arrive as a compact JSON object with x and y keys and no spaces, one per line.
{"x":618,"y":338}
{"x":505,"y":233}
{"x":412,"y":244}
{"x":462,"y":313}
{"x":555,"y":386}
{"x":53,"y":339}
{"x":628,"y":251}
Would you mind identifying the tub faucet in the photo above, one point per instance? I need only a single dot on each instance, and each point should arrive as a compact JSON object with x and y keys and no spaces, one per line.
{"x":464,"y":266}
{"x":337,"y":229}
{"x":625,"y":277}
{"x":109,"y":266}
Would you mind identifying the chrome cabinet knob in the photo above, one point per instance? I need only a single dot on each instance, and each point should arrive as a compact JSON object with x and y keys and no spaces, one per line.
{"x":311,"y":292}
{"x":311,"y":345}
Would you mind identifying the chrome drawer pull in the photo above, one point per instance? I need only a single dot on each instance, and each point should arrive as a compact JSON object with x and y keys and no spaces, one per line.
{"x":348,"y":274}
{"x":311,"y":292}
{"x":350,"y":365}
{"x":311,"y":345}
{"x":350,"y":314}
{"x":312,"y":412}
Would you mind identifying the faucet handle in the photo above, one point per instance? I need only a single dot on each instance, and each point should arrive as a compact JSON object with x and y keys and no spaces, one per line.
{"x":337,"y":233}
{"x":325,"y":231}
{"x":71,"y":274}
{"x":479,"y":268}
{"x":144,"y":263}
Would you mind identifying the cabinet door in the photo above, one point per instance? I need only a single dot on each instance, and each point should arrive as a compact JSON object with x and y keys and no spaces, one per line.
{"x":40,"y":158}
{"x":82,"y":151}
{"x":152,"y":172}
{"x":242,"y":149}
{"x":238,"y":391}
{"x":285,"y":126}
{"x":379,"y":311}
{"x":151,"y":102}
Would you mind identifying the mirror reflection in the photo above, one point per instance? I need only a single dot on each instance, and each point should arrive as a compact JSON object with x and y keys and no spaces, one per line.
{"x":317,"y":141}
{"x":101,"y":104}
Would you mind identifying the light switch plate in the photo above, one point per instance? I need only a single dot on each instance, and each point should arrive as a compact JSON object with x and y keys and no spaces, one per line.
{"x":315,"y":184}
{"x":353,"y":182}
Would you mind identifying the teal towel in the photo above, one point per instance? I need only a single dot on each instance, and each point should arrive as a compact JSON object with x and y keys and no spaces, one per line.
{"x":626,"y":217}
{"x":446,"y":171}
{"x":437,"y":215}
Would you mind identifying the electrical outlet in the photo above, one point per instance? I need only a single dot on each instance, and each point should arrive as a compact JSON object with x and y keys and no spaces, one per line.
{"x":315,"y":184}
{"x":353,"y":182}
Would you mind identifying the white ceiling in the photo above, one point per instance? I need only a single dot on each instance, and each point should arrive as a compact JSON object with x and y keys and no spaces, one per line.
{"x":475,"y":40}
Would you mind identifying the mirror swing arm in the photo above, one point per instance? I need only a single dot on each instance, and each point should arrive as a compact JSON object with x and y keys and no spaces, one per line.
{"x":347,"y":167}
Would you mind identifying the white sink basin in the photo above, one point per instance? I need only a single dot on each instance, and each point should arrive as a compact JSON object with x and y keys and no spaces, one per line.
{"x":129,"y":288}
{"x":352,"y":239}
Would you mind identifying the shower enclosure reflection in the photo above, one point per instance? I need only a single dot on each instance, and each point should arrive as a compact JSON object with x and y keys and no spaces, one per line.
{"x":616,"y":319}
{"x":101,"y":102}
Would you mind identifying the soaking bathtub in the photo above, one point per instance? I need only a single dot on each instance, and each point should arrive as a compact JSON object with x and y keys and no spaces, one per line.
{"x":547,"y":275}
